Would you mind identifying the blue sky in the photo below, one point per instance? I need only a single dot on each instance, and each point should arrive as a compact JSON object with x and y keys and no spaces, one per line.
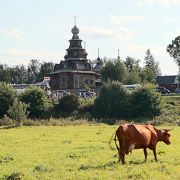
{"x":40,"y":29}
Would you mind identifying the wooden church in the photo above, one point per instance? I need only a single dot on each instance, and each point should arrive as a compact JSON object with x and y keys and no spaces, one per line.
{"x":75,"y":72}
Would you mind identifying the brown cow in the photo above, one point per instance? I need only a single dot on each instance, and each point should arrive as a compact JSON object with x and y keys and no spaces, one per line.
{"x":139,"y":137}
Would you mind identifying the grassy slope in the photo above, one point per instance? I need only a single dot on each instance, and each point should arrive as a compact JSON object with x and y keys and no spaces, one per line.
{"x":170,"y":112}
{"x":81,"y":152}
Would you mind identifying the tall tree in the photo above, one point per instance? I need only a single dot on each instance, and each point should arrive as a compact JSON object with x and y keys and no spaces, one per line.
{"x":147,"y":76}
{"x":174,"y":50}
{"x":45,"y":68}
{"x":114,"y":70}
{"x":132,"y":63}
{"x":151,"y":63}
{"x":133,"y":77}
{"x":19,"y":74}
{"x":134,"y":70}
{"x":33,"y":71}
{"x":5,"y":73}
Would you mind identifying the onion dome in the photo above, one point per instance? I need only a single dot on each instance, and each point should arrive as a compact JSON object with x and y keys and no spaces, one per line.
{"x":75,"y":32}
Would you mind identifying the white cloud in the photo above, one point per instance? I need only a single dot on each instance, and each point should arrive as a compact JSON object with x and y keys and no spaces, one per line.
{"x":123,"y":19}
{"x":15,"y":34}
{"x":121,"y":33}
{"x":22,"y":56}
{"x":171,"y":20}
{"x":27,"y":53}
{"x":160,"y":2}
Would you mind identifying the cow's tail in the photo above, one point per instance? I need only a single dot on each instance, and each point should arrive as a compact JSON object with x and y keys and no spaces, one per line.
{"x":113,"y":136}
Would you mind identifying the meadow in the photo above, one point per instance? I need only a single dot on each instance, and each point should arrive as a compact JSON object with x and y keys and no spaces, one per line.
{"x":80,"y":152}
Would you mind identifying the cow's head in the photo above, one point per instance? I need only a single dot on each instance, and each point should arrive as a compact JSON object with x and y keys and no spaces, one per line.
{"x":165,"y":136}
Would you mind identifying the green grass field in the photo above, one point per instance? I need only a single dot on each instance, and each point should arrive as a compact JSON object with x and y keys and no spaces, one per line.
{"x":80,"y":152}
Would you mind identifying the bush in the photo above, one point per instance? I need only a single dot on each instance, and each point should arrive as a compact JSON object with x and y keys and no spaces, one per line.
{"x":67,"y":104}
{"x":6,"y":121}
{"x":39,"y":104}
{"x":7,"y":96}
{"x":112,"y":101}
{"x":146,"y":102}
{"x":18,"y":112}
{"x":86,"y":105}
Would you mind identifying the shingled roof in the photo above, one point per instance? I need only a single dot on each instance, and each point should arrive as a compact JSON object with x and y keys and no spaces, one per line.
{"x":165,"y":80}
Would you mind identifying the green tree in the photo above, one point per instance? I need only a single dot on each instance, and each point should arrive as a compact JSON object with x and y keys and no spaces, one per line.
{"x":174,"y":50}
{"x":114,"y":70}
{"x":132,"y":64}
{"x":38,"y":101}
{"x":147,"y":76}
{"x":18,"y":112}
{"x":7,"y":96}
{"x":150,"y":63}
{"x":112,"y":101}
{"x":5,"y":73}
{"x":45,"y":68}
{"x":68,"y":103}
{"x":133,"y":77}
{"x":33,"y":71}
{"x":19,"y":74}
{"x":146,"y":102}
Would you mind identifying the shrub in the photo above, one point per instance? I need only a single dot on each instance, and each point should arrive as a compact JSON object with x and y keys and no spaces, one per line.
{"x":38,"y":101}
{"x":146,"y":102}
{"x":67,"y":104}
{"x":86,"y":105}
{"x":7,"y":96}
{"x":112,"y":101}
{"x":18,"y":112}
{"x":6,"y":121}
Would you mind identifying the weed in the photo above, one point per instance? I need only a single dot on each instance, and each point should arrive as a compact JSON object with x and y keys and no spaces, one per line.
{"x":134,"y":176}
{"x":73,"y":156}
{"x":161,"y":152}
{"x":40,"y":168}
{"x":6,"y":159}
{"x":100,"y":166}
{"x":66,"y":142}
{"x":14,"y":176}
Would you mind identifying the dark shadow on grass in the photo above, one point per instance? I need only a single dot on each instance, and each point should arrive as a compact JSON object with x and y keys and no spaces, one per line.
{"x":101,"y":166}
{"x":136,"y":162}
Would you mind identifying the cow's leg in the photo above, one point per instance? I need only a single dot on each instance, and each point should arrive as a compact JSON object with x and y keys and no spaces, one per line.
{"x":119,"y":153}
{"x":145,"y":153}
{"x":120,"y":149}
{"x":123,"y":156}
{"x":154,"y":152}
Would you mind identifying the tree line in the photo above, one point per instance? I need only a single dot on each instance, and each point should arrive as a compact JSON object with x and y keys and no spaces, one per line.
{"x":20,"y":74}
{"x":130,"y":72}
